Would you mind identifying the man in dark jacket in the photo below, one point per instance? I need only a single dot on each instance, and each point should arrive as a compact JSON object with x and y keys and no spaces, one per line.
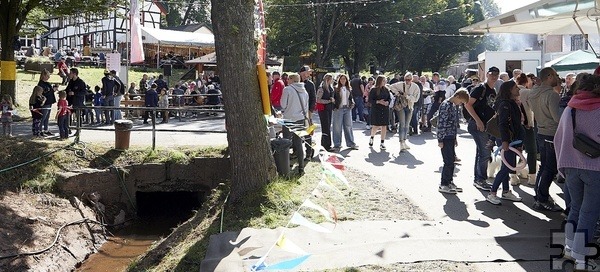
{"x":150,"y":100}
{"x":305,"y":74}
{"x":108,"y":94}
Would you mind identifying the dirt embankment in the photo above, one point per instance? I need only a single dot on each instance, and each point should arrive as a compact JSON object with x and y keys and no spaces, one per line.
{"x":29,"y":224}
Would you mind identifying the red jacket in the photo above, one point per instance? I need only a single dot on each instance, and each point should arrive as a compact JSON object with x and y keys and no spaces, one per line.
{"x":276,"y":92}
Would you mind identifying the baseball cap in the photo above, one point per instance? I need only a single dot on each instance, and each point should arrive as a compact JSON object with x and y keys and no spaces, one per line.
{"x":305,"y":68}
{"x":493,"y":69}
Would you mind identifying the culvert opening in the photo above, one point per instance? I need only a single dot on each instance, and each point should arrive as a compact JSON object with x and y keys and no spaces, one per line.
{"x":168,"y":204}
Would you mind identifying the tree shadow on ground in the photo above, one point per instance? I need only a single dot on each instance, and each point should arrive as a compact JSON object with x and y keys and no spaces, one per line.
{"x":14,"y":234}
{"x":22,"y":160}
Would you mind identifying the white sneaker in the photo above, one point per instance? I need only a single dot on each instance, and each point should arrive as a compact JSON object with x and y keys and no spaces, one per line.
{"x":494,"y":199}
{"x":406,"y":146}
{"x":402,"y":146}
{"x":368,"y":127}
{"x":514,"y":180}
{"x":589,"y":265}
{"x":510,"y":196}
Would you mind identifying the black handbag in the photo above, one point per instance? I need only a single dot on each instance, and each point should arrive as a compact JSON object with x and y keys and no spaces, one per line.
{"x":583,"y":143}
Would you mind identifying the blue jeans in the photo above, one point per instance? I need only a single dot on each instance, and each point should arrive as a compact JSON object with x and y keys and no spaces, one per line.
{"x":359,"y":105}
{"x":109,"y":116}
{"x":414,"y":121}
{"x":63,"y":126}
{"x":502,"y":176}
{"x":448,"y":154}
{"x":404,"y":116}
{"x":482,"y":154}
{"x":117,"y":102}
{"x":46,"y":116}
{"x":547,"y":167}
{"x":342,"y":119}
{"x":584,"y":186}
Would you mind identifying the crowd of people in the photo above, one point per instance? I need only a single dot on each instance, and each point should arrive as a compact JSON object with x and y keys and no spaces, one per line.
{"x":102,"y":106}
{"x":548,"y":117}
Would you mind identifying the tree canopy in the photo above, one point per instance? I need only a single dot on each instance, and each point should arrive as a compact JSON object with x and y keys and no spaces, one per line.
{"x":380,"y":33}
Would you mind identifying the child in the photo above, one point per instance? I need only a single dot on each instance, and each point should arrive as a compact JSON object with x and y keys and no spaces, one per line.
{"x":163,"y":102}
{"x":62,"y":115}
{"x":98,"y":100}
{"x":447,"y":128}
{"x":36,"y":101}
{"x":7,"y":108}
{"x":511,"y":129}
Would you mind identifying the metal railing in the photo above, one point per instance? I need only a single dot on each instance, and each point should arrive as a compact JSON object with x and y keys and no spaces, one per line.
{"x":79,"y":111}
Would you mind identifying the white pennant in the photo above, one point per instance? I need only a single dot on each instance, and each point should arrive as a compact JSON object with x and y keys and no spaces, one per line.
{"x":298,"y":219}
{"x":309,"y":204}
{"x":289,"y":246}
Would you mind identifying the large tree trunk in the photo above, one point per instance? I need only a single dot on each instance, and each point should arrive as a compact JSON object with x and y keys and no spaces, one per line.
{"x":8,"y":28}
{"x":251,"y":160}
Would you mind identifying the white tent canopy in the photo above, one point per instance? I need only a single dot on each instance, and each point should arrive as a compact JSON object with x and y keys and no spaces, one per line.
{"x":545,"y":17}
{"x":172,"y":37}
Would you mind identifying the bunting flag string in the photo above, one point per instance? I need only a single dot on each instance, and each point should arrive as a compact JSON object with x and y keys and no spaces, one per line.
{"x":405,"y":32}
{"x":312,"y":4}
{"x":331,"y":165}
{"x":416,"y":18}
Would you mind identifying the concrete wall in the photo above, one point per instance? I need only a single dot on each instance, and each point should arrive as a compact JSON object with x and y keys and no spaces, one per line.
{"x":202,"y":174}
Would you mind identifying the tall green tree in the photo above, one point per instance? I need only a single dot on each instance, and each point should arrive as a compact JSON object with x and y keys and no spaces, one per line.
{"x":250,"y":153}
{"x":13,"y":15}
{"x":187,"y":12}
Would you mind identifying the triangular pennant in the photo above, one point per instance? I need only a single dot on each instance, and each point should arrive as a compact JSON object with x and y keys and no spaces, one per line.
{"x":289,"y":246}
{"x":247,"y":250}
{"x":287,"y":265}
{"x":335,"y":162}
{"x":332,"y":171}
{"x":309,"y":204}
{"x":326,"y":182}
{"x":298,"y":219}
{"x":332,"y":211}
{"x":317,"y":193}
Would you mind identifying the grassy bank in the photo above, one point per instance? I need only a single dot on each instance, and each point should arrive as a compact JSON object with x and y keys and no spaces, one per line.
{"x":42,"y":159}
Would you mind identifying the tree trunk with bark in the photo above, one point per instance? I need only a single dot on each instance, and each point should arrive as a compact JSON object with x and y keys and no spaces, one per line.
{"x":249,"y":148}
{"x":9,"y":29}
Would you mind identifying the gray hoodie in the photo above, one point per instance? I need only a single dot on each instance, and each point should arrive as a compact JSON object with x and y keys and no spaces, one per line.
{"x":544,"y":103}
{"x":293,"y":108}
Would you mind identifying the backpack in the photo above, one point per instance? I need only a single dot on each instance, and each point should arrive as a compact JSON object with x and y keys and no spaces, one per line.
{"x":119,"y":86}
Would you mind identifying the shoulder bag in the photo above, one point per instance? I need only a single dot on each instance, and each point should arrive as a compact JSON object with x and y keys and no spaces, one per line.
{"x":583,"y":143}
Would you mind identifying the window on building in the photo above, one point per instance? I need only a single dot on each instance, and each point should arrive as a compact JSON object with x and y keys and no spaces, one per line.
{"x":578,"y":42}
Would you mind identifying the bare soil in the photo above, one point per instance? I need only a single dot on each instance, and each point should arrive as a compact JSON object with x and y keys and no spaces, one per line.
{"x":30,"y":222}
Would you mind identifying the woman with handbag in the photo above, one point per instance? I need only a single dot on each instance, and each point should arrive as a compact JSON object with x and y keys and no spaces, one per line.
{"x":325,"y":104}
{"x":406,"y":93}
{"x":511,"y":130}
{"x":577,"y":147}
{"x":379,"y":99}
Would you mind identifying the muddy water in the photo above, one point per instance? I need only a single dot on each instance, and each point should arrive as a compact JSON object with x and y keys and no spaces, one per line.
{"x":129,"y":243}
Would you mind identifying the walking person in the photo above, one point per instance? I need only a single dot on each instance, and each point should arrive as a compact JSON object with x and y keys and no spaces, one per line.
{"x":108,"y":92}
{"x":511,"y":131}
{"x":406,"y":94}
{"x":50,"y":100}
{"x":479,"y":112}
{"x":342,"y":114}
{"x":447,"y":129}
{"x":325,"y":97}
{"x":582,"y":171}
{"x":151,"y":101}
{"x":544,"y":102}
{"x":379,"y":99}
